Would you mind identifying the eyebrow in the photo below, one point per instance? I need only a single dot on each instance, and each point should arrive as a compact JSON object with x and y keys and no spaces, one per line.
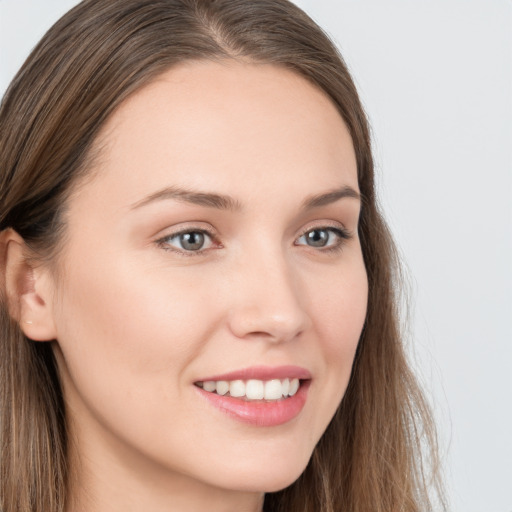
{"x":210,"y":200}
{"x":224,"y":202}
{"x":319,"y":200}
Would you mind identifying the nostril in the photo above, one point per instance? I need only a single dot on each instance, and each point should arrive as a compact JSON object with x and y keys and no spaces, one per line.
{"x":274,"y":313}
{"x":274,"y":332}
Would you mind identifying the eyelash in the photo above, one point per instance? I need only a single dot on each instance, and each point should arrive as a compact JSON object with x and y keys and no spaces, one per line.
{"x":342,"y":234}
{"x":164,"y":242}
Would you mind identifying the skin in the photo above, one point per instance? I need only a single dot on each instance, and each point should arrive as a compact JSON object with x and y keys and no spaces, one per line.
{"x":138,"y":320}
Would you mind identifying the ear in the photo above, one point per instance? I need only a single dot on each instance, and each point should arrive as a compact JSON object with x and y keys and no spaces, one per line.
{"x":28,"y":288}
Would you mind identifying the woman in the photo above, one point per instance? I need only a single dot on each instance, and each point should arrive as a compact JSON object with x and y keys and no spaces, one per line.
{"x":198,"y":289}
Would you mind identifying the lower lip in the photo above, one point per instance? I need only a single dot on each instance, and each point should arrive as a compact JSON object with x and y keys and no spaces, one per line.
{"x":260,"y":413}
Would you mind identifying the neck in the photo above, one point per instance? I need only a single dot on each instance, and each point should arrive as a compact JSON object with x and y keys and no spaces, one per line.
{"x":111,"y":497}
{"x":120,"y":489}
{"x":112,"y":479}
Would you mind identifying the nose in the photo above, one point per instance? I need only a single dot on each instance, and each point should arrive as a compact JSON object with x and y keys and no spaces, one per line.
{"x":268,"y":301}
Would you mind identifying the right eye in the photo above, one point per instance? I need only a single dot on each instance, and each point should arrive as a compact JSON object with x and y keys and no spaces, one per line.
{"x":187,"y":241}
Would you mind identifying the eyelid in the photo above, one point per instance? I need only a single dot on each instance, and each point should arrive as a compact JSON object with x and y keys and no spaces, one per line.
{"x":341,"y":231}
{"x":333,"y":225}
{"x":161,"y":241}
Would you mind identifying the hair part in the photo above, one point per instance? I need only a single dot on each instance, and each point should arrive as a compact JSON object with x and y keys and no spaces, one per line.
{"x":372,"y":456}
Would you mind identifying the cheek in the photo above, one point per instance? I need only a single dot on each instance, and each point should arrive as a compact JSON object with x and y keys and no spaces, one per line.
{"x":124,"y":329}
{"x":340,"y":307}
{"x":126,"y":305}
{"x":126,"y":337}
{"x":339,"y":314}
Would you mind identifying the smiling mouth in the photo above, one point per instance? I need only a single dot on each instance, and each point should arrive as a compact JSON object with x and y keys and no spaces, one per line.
{"x":253,"y":389}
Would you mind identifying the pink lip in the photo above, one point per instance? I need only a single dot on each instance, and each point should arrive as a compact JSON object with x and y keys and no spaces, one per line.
{"x":261,"y":413}
{"x":263,"y":373}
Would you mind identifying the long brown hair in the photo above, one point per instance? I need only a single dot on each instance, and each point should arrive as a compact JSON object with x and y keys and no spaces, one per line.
{"x":378,"y":453}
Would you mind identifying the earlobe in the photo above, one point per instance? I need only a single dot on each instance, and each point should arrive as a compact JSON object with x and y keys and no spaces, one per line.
{"x":26,"y":289}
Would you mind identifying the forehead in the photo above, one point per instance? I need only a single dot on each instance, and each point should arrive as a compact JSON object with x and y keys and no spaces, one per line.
{"x":201,"y":124}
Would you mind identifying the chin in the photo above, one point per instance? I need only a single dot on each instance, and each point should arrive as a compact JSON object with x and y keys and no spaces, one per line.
{"x":281,"y":483}
{"x":268,"y":478}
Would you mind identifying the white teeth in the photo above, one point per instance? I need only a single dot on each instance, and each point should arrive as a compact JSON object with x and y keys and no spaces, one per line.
{"x":253,"y":389}
{"x":209,"y":385}
{"x":222,"y":387}
{"x":286,"y":387}
{"x":273,"y":390}
{"x":294,"y":387}
{"x":237,"y":388}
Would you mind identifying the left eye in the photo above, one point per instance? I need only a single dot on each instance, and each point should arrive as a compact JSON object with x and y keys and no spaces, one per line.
{"x":322,"y":237}
{"x":189,"y":241}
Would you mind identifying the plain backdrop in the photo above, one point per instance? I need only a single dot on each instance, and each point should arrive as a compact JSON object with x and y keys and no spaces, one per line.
{"x":436,"y":80}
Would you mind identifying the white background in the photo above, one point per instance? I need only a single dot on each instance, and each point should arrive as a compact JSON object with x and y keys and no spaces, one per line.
{"x":436,"y":79}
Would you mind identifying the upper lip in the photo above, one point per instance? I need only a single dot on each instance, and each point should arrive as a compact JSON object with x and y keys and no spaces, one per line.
{"x":262,"y":373}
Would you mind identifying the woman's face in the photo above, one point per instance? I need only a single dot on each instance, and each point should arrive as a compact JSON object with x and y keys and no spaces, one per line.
{"x":214,"y":243}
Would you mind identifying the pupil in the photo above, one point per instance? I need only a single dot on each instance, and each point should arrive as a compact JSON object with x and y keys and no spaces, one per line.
{"x":317,"y":238}
{"x":192,"y":241}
